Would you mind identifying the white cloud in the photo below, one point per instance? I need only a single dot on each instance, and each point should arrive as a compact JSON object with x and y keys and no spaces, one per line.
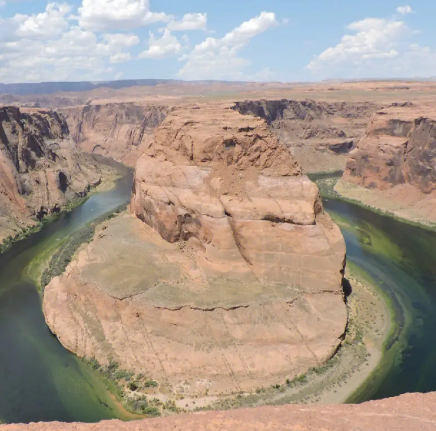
{"x":121,"y":40}
{"x":74,"y":54}
{"x":166,"y":46}
{"x":190,"y":21}
{"x":51,"y":22}
{"x":110,"y":15}
{"x":376,"y":38}
{"x":218,"y":58}
{"x":120,"y":58}
{"x":56,"y":45}
{"x":404,"y":10}
{"x":380,"y":48}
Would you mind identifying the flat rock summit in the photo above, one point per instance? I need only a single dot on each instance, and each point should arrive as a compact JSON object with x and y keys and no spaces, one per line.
{"x":227,"y":274}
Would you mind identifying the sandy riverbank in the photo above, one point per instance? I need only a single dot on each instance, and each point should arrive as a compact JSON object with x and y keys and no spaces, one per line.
{"x":399,"y":202}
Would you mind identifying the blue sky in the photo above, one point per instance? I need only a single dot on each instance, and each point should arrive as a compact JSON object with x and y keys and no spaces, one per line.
{"x":284,"y":40}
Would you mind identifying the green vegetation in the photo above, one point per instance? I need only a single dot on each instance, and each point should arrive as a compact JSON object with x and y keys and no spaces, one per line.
{"x":30,"y":230}
{"x":54,"y":259}
{"x":134,"y":391}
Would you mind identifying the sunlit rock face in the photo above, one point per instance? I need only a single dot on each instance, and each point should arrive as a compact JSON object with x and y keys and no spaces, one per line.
{"x":40,"y":168}
{"x":227,"y":274}
{"x":398,"y":148}
{"x":118,"y":130}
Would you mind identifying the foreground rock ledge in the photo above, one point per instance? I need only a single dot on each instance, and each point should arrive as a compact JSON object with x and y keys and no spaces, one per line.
{"x":226,"y":278}
{"x":405,"y":413}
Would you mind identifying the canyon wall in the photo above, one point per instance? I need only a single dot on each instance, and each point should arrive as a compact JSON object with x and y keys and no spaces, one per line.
{"x":121,"y":131}
{"x":40,"y":168}
{"x":320,"y":134}
{"x":394,"y":164}
{"x":226,"y":277}
{"x":405,"y":413}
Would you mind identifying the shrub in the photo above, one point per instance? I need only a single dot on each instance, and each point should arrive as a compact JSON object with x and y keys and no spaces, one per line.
{"x":150,"y":384}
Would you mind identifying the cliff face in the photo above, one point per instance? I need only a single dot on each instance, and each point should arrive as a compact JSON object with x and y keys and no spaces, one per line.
{"x":405,"y":413}
{"x":224,"y":181}
{"x":320,"y":134}
{"x":40,"y":169}
{"x":393,"y":166}
{"x":395,"y":150}
{"x":227,"y":276}
{"x":118,"y":130}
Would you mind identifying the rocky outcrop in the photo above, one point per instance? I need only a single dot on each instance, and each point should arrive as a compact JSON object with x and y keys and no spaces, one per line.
{"x":320,"y":134}
{"x":118,"y":130}
{"x":396,"y":159}
{"x":227,"y":277}
{"x":405,"y":413}
{"x":224,"y":182}
{"x":398,"y":148}
{"x":40,"y":168}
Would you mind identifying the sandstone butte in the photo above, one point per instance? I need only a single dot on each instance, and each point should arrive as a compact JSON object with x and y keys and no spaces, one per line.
{"x":393,"y":165}
{"x":40,"y":168}
{"x":227,"y":274}
{"x":406,"y":413}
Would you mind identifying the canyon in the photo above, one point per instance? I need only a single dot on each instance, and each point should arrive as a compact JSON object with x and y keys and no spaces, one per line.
{"x":227,"y":274}
{"x":320,"y":134}
{"x":41,"y":170}
{"x":119,"y":130}
{"x":393,"y":166}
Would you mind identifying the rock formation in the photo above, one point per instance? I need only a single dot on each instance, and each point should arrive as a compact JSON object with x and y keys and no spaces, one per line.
{"x":118,"y":130}
{"x":405,"y":413}
{"x":40,"y":168}
{"x":320,"y":134}
{"x":227,"y":276}
{"x":396,"y":159}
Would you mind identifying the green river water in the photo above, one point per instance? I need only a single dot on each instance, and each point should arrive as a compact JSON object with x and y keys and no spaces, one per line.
{"x":41,"y":381}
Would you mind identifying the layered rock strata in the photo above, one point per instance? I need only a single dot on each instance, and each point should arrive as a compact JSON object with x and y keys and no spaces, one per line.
{"x":320,"y":134}
{"x":228,"y":275}
{"x":396,"y":163}
{"x":118,"y":130}
{"x":405,"y":413}
{"x":40,"y":168}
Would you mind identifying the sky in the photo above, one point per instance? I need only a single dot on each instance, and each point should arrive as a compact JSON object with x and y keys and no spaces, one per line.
{"x":244,"y":40}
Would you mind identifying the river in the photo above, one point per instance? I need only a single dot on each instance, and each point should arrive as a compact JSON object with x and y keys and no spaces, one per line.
{"x":401,"y":259}
{"x":41,"y":381}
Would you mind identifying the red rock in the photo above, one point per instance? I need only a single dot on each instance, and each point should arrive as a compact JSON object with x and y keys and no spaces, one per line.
{"x":406,"y":413}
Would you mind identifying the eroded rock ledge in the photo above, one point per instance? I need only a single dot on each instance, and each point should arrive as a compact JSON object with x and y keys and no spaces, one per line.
{"x":228,"y":275}
{"x":405,"y":413}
